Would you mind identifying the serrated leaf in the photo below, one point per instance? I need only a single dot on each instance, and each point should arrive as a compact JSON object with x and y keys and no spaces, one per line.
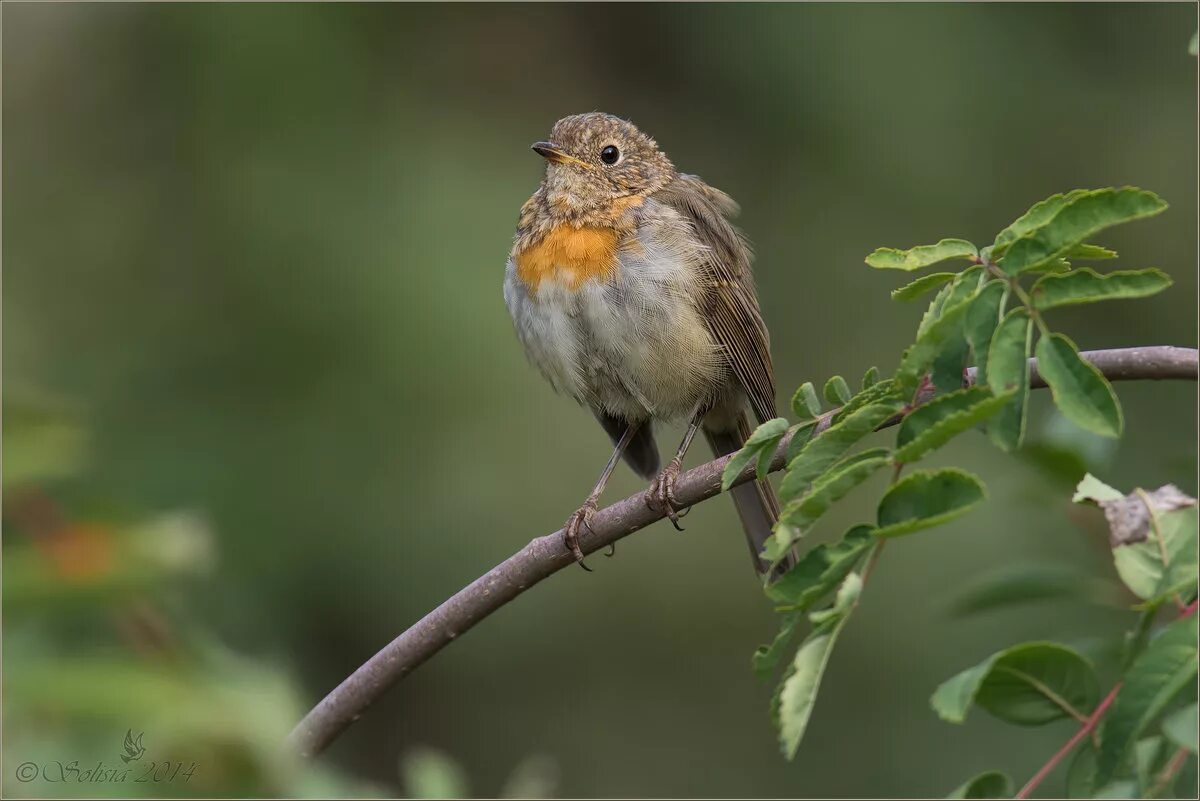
{"x":826,"y":448}
{"x":1029,"y":684}
{"x":1079,"y":218}
{"x":766,"y":436}
{"x":1093,"y":489}
{"x":831,"y":486}
{"x":1181,"y":727}
{"x":802,"y":433}
{"x":798,"y":691}
{"x":1081,"y":391}
{"x":921,"y":256}
{"x":821,"y":570}
{"x":1088,"y":286}
{"x":992,"y":784}
{"x":933,"y":310}
{"x":805,"y":403}
{"x":1038,"y":215}
{"x":935,"y":423}
{"x":920,"y":355}
{"x":925,"y":499}
{"x":767,"y":657}
{"x":980,"y":322}
{"x":1008,"y":371}
{"x":951,"y":359}
{"x":881,"y":392}
{"x":870,"y":378}
{"x":1166,"y":666}
{"x":837,"y":391}
{"x":1090,"y":253}
{"x":917,"y":288}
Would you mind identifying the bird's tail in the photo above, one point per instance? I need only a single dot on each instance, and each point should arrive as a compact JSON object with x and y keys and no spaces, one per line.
{"x":756,"y":503}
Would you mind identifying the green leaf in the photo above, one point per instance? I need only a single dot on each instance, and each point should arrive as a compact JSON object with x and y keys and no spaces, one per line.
{"x":922,"y":255}
{"x":765,"y":437}
{"x":917,"y":288}
{"x":1090,"y":253}
{"x":821,"y":570}
{"x":920,"y":355}
{"x":935,"y":423}
{"x":1140,"y":565}
{"x":1038,"y":215}
{"x":980,"y":322}
{"x":1093,"y":489}
{"x":1029,"y":684}
{"x":927,"y":498}
{"x":870,"y":378}
{"x":826,"y":448}
{"x":1181,"y":728}
{"x":837,"y":392}
{"x":1025,"y":583}
{"x":1194,"y":44}
{"x":951,"y":359}
{"x":1166,"y":666}
{"x":1077,"y":219}
{"x":1008,"y":371}
{"x":883,"y":391}
{"x":1080,"y":391}
{"x":798,"y":690}
{"x":832,"y":486}
{"x":933,"y":310}
{"x":805,"y":403}
{"x":802,"y":433}
{"x":992,"y":784}
{"x":1088,"y":286}
{"x":766,"y":657}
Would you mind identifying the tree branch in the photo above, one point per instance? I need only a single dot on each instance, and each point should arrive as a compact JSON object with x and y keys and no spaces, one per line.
{"x":546,"y":555}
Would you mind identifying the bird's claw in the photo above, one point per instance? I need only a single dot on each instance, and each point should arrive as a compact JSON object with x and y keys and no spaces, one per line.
{"x":581,"y":517}
{"x":661,"y":495}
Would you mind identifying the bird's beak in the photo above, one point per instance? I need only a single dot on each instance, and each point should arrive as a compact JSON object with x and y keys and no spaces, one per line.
{"x":555,"y":154}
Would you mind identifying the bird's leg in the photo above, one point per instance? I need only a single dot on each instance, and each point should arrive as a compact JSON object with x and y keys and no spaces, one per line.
{"x":583,"y":514}
{"x":661,"y":495}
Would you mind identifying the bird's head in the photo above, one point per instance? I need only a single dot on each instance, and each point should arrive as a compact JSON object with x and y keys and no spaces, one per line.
{"x":595,"y":159}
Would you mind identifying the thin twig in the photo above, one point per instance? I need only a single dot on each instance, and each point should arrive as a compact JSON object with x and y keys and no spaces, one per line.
{"x":1088,"y":726}
{"x":546,"y":555}
{"x":1076,"y":738}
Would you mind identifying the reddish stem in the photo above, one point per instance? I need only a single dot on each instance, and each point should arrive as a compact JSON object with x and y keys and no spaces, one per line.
{"x":1083,"y":732}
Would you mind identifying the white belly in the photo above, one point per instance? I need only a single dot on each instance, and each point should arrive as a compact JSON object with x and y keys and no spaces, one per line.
{"x":632,"y":345}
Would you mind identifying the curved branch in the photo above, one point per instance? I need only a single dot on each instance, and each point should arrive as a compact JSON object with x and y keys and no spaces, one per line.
{"x":546,"y":555}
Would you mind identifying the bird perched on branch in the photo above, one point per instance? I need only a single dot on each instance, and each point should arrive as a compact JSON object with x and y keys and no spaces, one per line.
{"x":632,"y":292}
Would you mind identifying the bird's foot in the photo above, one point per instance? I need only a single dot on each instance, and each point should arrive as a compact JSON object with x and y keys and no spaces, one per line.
{"x":661,"y":495}
{"x":582,"y":517}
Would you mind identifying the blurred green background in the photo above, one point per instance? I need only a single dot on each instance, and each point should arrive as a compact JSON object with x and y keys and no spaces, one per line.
{"x":264,"y":407}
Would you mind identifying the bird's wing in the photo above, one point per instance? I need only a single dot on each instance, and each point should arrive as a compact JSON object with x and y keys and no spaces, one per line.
{"x":729,"y":302}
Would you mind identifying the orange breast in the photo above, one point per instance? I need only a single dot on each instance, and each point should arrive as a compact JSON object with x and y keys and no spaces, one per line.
{"x":570,"y":255}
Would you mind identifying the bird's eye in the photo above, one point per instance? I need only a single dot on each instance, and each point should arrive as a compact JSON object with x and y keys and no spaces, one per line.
{"x":610,"y":154}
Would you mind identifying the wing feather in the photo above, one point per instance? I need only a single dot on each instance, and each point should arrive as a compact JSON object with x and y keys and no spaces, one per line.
{"x":729,"y":301}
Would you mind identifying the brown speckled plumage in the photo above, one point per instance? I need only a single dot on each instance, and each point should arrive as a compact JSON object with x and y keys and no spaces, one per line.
{"x":632,"y":292}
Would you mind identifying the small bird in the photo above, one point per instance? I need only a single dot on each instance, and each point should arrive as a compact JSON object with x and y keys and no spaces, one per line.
{"x":632,"y":292}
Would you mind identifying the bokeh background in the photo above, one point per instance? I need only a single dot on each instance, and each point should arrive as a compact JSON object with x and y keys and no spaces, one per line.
{"x":264,"y":408}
